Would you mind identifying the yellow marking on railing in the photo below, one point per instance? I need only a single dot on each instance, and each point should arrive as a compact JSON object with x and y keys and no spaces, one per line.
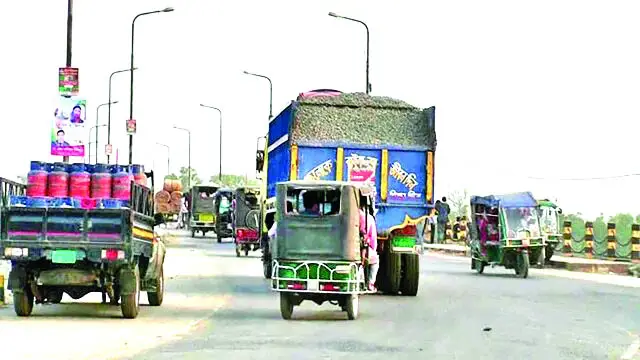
{"x":145,"y":234}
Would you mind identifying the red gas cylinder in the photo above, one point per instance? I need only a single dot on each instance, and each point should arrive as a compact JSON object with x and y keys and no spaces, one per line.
{"x":37,"y":179}
{"x":101,"y":182}
{"x":58,"y":181}
{"x":122,"y":179}
{"x":139,"y":176}
{"x":79,"y":182}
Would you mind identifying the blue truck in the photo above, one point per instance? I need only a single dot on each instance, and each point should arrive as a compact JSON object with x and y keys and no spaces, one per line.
{"x":330,"y":135}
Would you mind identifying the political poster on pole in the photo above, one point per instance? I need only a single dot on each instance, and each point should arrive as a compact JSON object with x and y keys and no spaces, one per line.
{"x":68,"y":81}
{"x":68,"y":127}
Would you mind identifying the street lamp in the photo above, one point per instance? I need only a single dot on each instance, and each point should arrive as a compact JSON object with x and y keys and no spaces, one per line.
{"x":270,"y":92}
{"x":368,"y":84}
{"x":109,"y":110}
{"x":90,"y":142}
{"x":189,"y":165}
{"x":97,"y":115}
{"x":131,"y":68}
{"x":168,"y":157}
{"x":220,"y":161}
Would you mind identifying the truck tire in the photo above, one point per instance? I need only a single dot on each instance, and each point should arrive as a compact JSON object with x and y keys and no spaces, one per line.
{"x":23,"y":303}
{"x":548,"y":254}
{"x":266,"y":269}
{"x":411,"y":275}
{"x":286,"y":306}
{"x":156,"y":298}
{"x":130,"y":303}
{"x":394,"y":273}
{"x":352,"y":306}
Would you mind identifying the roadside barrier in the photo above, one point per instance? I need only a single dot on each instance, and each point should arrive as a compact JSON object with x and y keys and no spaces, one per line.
{"x":588,"y":239}
{"x":635,"y":242}
{"x":567,"y":237}
{"x":612,"y":240}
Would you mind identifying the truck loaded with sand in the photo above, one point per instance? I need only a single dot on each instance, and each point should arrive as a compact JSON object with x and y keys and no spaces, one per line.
{"x":384,"y":142}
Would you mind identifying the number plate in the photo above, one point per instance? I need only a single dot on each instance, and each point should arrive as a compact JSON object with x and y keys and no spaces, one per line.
{"x":206,"y":217}
{"x":313,"y":285}
{"x":63,"y":256}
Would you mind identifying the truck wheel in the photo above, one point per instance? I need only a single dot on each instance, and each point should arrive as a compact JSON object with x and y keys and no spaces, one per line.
{"x":23,"y":303}
{"x":130,"y":304}
{"x":411,"y":275}
{"x":219,"y":237}
{"x":286,"y":306}
{"x":479,"y":266}
{"x":352,"y":306}
{"x":394,"y":272}
{"x":155,"y":298}
{"x":193,"y":233}
{"x":266,"y":269}
{"x":116,"y":295}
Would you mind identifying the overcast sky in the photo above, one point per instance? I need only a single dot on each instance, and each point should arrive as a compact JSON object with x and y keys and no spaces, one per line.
{"x":522,"y":89}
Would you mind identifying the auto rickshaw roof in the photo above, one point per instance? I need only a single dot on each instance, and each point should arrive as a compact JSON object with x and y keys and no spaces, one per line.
{"x":309,"y":184}
{"x":547,"y":203}
{"x":513,"y":200}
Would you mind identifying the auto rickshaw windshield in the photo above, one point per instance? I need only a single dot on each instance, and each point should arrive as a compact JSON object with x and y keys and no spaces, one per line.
{"x":549,"y":220}
{"x":520,"y":219}
{"x":314,"y":202}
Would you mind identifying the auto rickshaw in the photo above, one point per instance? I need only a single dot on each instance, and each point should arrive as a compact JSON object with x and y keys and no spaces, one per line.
{"x":246,"y":219}
{"x":318,"y":249}
{"x":505,"y":231}
{"x":549,"y":214}
{"x":222,"y":213}
{"x":202,"y":215}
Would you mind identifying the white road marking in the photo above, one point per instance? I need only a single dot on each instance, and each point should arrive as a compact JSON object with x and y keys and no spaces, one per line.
{"x":632,"y":350}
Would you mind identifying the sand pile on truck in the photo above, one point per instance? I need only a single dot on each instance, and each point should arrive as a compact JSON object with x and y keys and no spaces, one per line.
{"x":363,"y":119}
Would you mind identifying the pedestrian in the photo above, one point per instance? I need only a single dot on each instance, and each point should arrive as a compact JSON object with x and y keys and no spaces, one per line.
{"x":368,"y":229}
{"x":443,"y":215}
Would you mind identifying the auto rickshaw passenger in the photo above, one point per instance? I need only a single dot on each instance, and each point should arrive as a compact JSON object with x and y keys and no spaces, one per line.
{"x":370,"y":232}
{"x":310,"y":203}
{"x":483,"y":224}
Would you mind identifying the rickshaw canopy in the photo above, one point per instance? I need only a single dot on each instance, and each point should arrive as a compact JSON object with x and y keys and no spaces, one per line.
{"x":506,"y":201}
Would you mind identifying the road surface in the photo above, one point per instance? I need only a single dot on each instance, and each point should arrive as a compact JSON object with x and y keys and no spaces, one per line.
{"x":220,"y":306}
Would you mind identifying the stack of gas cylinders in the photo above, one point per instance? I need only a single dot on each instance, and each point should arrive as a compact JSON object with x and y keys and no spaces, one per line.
{"x":80,"y":185}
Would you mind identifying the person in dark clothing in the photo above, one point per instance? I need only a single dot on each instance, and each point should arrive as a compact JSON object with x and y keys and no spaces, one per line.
{"x":443,"y":210}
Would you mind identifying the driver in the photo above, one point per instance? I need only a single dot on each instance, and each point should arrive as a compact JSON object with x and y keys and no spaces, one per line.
{"x":310,"y":202}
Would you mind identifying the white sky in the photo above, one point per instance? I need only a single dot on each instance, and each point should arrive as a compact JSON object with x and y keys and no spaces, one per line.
{"x":545,"y":88}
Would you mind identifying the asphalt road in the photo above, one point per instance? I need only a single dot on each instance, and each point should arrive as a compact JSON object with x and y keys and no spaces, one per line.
{"x":220,"y":306}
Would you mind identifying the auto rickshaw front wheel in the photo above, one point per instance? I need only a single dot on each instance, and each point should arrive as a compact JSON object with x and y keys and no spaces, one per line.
{"x":286,"y":306}
{"x":477,"y":265}
{"x":522,"y":265}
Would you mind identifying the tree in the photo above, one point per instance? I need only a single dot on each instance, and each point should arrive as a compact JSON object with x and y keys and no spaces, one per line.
{"x":232,"y":181}
{"x":184,"y":177}
{"x":459,"y":203}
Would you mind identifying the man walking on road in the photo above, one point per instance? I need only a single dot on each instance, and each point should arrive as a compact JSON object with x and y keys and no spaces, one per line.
{"x":443,"y":210}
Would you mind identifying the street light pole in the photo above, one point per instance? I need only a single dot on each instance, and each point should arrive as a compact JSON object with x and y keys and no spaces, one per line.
{"x":91,"y":142}
{"x":368,"y":84}
{"x":65,"y":159}
{"x":109,"y":110}
{"x":97,"y":115}
{"x":131,"y":68}
{"x":270,"y":92}
{"x":189,"y":166}
{"x":220,"y":160}
{"x":168,"y":157}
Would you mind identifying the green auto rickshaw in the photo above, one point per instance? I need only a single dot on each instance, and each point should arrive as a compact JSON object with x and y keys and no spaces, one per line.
{"x":549,"y":214}
{"x":202,"y":211}
{"x":505,"y":231}
{"x":318,"y":250}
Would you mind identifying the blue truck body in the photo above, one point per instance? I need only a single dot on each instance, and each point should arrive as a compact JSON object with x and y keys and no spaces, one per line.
{"x":403,"y":175}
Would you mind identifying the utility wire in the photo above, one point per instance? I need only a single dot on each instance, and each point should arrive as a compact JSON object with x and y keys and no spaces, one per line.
{"x":586,"y":178}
